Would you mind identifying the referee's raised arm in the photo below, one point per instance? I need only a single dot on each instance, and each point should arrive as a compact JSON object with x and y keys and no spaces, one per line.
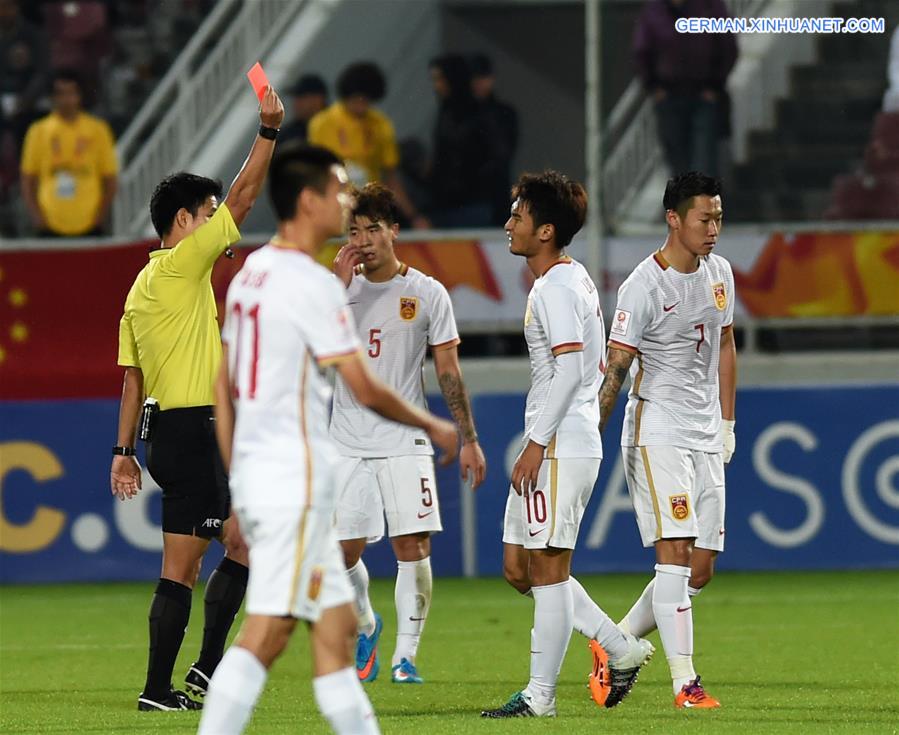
{"x":248,"y":182}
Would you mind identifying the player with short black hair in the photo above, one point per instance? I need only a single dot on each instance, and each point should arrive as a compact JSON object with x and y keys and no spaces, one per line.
{"x":287,"y":320}
{"x":555,"y":472}
{"x":673,"y":330}
{"x":388,"y":469}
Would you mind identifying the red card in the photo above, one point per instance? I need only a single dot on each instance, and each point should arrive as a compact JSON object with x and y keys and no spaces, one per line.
{"x":258,"y":79}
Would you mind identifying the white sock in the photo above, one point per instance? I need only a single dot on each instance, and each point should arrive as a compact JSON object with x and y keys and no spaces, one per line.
{"x":640,"y":620}
{"x":233,"y":691}
{"x":674,"y":617}
{"x":413,"y":600}
{"x":343,"y":702}
{"x":358,"y":575}
{"x":553,"y":621}
{"x":592,"y":622}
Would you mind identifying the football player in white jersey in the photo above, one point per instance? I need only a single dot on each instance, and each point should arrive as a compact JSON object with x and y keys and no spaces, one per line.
{"x":386,"y":468}
{"x":673,"y":329}
{"x":286,"y":320}
{"x":554,"y":475}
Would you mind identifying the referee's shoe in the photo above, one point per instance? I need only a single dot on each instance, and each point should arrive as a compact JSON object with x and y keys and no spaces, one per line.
{"x":173,"y":700}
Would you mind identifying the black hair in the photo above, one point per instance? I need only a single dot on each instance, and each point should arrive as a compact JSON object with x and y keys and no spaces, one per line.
{"x":309,"y":84}
{"x":177,"y":191}
{"x":553,"y":199}
{"x":457,"y":73}
{"x":481,"y":66}
{"x":681,"y":189}
{"x":66,"y":74}
{"x":297,"y":166}
{"x":362,"y":78}
{"x":378,"y":203}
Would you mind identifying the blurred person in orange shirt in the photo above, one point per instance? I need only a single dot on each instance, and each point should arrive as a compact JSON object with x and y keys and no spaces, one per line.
{"x":363,"y":137}
{"x":69,"y":168}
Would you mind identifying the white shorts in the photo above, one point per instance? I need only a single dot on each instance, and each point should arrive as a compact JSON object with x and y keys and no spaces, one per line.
{"x":296,"y":565}
{"x":401,"y":488}
{"x":677,"y":493}
{"x":551,"y":515}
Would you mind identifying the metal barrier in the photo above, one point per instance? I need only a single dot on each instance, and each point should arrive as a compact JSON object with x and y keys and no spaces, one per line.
{"x":186,"y":105}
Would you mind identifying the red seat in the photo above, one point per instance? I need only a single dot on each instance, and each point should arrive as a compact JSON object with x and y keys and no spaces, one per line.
{"x":864,"y":197}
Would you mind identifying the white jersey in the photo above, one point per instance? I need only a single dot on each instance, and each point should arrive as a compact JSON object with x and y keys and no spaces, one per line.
{"x":673,"y":322}
{"x":563,"y":314}
{"x":286,"y":319}
{"x":397,"y":320}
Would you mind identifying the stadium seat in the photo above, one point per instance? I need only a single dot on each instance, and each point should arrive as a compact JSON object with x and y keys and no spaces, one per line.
{"x":864,"y":197}
{"x":79,"y":35}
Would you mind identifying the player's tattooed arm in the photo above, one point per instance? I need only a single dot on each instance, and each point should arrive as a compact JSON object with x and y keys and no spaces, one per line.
{"x":472,"y":464}
{"x":618,"y":362}
{"x":456,"y":398}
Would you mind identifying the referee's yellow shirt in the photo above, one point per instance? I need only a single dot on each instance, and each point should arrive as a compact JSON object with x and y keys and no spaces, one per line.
{"x":169,"y":328}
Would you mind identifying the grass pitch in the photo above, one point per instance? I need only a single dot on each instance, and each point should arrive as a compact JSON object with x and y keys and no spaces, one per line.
{"x":784,"y":652}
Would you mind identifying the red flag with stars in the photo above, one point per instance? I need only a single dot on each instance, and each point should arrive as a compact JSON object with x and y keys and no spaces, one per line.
{"x":59,"y":316}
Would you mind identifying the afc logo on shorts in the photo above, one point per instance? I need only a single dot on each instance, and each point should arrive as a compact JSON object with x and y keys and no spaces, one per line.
{"x":680,"y":506}
{"x":720,"y":296}
{"x":408,"y":308}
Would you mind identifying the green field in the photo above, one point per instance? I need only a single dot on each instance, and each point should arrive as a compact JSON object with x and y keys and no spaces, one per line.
{"x":785,"y":653}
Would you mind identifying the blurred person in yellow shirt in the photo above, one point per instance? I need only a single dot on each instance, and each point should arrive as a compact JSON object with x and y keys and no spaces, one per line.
{"x":362,"y":136}
{"x":68,"y":165}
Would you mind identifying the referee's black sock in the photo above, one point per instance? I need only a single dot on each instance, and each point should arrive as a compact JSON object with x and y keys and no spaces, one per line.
{"x":224,"y":593}
{"x":169,"y":613}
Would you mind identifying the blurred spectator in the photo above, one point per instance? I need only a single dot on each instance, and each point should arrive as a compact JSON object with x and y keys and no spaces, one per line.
{"x":505,"y":121}
{"x":468,"y":150}
{"x":891,"y":96}
{"x":363,"y":136}
{"x":23,"y":71}
{"x":80,"y":40}
{"x":686,"y":74}
{"x":68,"y":165}
{"x":310,"y":96}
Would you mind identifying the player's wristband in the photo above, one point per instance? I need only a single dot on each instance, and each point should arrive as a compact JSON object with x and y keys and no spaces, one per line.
{"x":268,"y":133}
{"x":124,"y":451}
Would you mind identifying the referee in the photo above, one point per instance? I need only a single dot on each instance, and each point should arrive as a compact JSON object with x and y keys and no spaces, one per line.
{"x":170,"y":347}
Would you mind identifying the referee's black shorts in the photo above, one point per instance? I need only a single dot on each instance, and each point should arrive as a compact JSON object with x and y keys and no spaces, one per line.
{"x":183,"y":458}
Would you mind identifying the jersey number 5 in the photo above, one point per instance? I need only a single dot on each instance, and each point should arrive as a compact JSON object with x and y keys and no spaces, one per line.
{"x":253,"y":317}
{"x":374,"y":342}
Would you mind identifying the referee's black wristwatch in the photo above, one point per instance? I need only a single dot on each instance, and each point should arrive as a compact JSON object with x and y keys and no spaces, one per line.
{"x":124,"y":451}
{"x":269,"y":133}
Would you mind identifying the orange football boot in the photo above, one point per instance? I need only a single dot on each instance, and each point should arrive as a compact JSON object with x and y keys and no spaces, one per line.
{"x":693,"y":695}
{"x":600,"y":680}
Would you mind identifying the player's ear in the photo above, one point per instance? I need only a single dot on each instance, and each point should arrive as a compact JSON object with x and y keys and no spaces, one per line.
{"x":546,"y":232}
{"x":672,"y":218}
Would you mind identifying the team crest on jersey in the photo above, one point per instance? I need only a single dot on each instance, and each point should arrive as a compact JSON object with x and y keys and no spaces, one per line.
{"x":527,"y":314}
{"x":680,"y":506}
{"x":315,"y":583}
{"x":720,"y":296}
{"x":408,"y":308}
